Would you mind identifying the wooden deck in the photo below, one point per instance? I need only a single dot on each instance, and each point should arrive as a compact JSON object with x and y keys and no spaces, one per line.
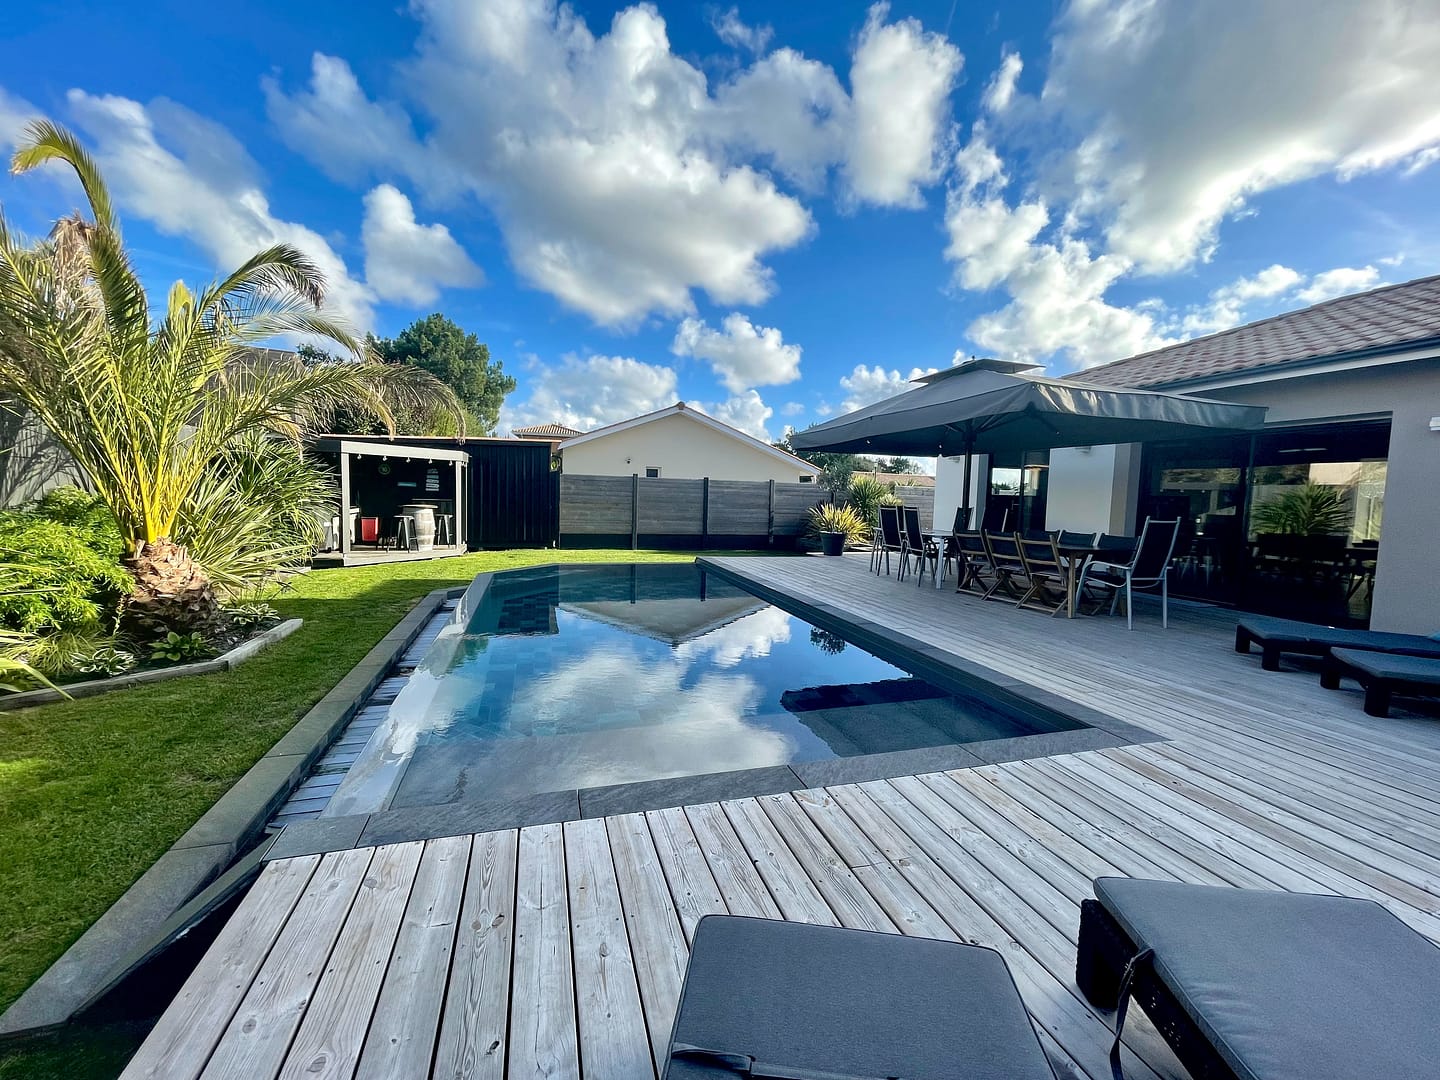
{"x":559,"y":950}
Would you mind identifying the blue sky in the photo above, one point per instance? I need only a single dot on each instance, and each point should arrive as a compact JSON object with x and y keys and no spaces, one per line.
{"x":773,"y":211}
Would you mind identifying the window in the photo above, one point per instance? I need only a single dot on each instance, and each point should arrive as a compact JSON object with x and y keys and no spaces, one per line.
{"x":652,"y":472}
{"x":807,"y":479}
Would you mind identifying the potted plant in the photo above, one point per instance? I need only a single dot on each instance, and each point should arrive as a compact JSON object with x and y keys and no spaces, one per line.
{"x":837,"y":527}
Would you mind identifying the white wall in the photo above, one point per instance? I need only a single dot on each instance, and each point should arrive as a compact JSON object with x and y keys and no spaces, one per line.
{"x":950,"y":487}
{"x":1094,"y":488}
{"x":683,"y":449}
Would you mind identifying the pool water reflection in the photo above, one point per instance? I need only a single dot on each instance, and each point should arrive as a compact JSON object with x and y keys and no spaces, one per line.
{"x":586,"y":676}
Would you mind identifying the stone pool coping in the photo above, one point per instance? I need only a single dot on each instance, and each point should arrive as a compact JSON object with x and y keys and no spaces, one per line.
{"x":226,"y":830}
{"x":1097,"y":731}
{"x":226,"y":661}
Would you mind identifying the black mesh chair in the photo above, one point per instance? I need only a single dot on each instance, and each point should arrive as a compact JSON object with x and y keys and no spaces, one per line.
{"x":924,"y":550}
{"x":1075,"y":539}
{"x":1147,"y":568}
{"x":891,"y":539}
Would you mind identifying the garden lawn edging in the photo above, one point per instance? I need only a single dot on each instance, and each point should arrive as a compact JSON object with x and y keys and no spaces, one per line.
{"x":211,"y":844}
{"x":226,"y":661}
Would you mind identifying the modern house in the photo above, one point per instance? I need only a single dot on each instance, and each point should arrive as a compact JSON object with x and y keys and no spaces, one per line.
{"x":1329,"y":512}
{"x":679,"y":443}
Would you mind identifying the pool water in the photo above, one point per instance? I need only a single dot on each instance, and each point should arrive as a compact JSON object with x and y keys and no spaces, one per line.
{"x":586,"y":676}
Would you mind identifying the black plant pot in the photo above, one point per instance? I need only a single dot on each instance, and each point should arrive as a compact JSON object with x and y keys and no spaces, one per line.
{"x":832,"y":543}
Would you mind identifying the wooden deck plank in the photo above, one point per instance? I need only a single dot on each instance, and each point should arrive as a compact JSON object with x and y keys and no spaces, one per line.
{"x":474,"y":1028}
{"x":259,"y":1034}
{"x":327,"y":1046}
{"x":741,"y":886}
{"x":797,"y":896}
{"x":180,"y":1044}
{"x":657,"y":936}
{"x":692,"y":885}
{"x":613,"y":1043}
{"x":543,"y":1040}
{"x":401,"y":1039}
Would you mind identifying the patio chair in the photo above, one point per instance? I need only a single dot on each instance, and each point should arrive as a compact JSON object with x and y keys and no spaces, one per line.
{"x":972,"y":562}
{"x":892,"y":538}
{"x":1076,"y":539}
{"x":1003,"y":555}
{"x":1277,"y":637}
{"x":1147,"y":568}
{"x":370,"y":530}
{"x":767,"y":998}
{"x":917,"y":544}
{"x":1044,"y":572}
{"x":1263,"y":985}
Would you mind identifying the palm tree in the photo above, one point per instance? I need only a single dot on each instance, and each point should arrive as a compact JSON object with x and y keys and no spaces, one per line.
{"x":145,"y":407}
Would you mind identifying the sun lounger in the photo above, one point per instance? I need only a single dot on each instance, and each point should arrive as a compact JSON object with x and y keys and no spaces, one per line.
{"x":764,"y":998}
{"x":1381,"y":674}
{"x":1277,"y":636}
{"x":1265,"y":985}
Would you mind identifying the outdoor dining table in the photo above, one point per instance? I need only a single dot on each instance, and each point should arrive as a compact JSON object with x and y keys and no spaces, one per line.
{"x":938,"y":537}
{"x":1074,"y":556}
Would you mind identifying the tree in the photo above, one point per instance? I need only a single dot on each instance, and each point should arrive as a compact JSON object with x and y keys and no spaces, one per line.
{"x":899,"y":465}
{"x":835,"y":469}
{"x":146,"y":409}
{"x":458,"y":359}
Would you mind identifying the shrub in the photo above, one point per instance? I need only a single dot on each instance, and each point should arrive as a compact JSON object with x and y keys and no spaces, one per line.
{"x":63,"y":571}
{"x":841,"y":519}
{"x":866,"y":496}
{"x":1310,"y":509}
{"x":175,"y":647}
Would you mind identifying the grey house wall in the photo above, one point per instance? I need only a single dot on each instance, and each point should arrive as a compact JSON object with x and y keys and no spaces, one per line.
{"x":31,"y":463}
{"x":1407,"y":573}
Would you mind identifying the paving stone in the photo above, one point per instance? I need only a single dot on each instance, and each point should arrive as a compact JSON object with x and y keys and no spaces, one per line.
{"x":686,"y":790}
{"x":857,"y":770}
{"x":460,"y":818}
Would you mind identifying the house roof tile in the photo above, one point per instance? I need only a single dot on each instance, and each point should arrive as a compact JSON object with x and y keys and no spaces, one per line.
{"x":1388,"y":319}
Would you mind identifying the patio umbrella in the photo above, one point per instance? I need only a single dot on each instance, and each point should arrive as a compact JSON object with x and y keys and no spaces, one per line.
{"x":994,"y":406}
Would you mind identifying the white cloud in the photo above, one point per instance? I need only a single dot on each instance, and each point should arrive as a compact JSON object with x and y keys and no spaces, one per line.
{"x":1001,"y":88}
{"x":1259,"y":106}
{"x":1056,"y":288}
{"x":408,"y":262}
{"x":792,"y":408}
{"x":591,"y":392}
{"x":1339,"y":282}
{"x":901,"y":79}
{"x":334,"y":113}
{"x":742,"y":354}
{"x":190,"y":177}
{"x":621,"y":184}
{"x":867,"y":385}
{"x":746,"y":412}
{"x":733,"y":31}
{"x":15,"y":113}
{"x":1226,"y":305}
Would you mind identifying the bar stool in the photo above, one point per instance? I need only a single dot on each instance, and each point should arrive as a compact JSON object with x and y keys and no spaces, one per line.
{"x":444,"y":533}
{"x":405,"y":532}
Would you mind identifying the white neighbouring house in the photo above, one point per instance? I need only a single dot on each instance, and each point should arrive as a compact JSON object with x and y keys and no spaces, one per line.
{"x":679,"y":443}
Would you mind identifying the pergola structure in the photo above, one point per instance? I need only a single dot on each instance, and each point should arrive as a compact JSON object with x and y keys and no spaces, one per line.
{"x":409,"y":463}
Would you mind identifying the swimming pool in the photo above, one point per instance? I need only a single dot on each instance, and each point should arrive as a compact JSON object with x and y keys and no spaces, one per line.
{"x":583,"y":677}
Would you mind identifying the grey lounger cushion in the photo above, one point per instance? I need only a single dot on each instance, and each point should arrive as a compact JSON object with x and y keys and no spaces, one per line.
{"x":1289,"y":986}
{"x":851,"y":1003}
{"x":1394,"y":667}
{"x":1312,"y":637}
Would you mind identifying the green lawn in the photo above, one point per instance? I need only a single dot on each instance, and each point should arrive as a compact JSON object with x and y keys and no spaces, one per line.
{"x":93,"y":791}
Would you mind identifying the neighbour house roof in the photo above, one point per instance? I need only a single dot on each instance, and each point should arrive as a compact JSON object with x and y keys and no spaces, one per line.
{"x":922,"y":480}
{"x":546,"y":431}
{"x":681,"y":409}
{"x":1392,"y":319}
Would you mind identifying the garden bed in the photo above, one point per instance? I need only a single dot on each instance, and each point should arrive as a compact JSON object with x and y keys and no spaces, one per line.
{"x":226,"y":661}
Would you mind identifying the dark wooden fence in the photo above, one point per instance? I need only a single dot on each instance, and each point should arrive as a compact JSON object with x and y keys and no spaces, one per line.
{"x":634,"y":511}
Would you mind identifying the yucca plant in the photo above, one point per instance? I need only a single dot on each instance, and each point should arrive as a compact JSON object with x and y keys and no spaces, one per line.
{"x":147,"y":406}
{"x":1309,"y":509}
{"x":866,"y":496}
{"x":840,"y":519}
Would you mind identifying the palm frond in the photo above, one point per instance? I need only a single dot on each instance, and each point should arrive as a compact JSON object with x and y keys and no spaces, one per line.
{"x":46,"y":141}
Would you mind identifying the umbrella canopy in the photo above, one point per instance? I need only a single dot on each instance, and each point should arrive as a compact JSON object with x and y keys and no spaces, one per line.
{"x":995,"y":406}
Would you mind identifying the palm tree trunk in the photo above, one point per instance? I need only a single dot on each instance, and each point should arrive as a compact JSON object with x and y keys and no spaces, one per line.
{"x":171,"y":592}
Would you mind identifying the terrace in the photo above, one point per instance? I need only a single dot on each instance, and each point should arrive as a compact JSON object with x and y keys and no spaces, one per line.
{"x":559,"y":949}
